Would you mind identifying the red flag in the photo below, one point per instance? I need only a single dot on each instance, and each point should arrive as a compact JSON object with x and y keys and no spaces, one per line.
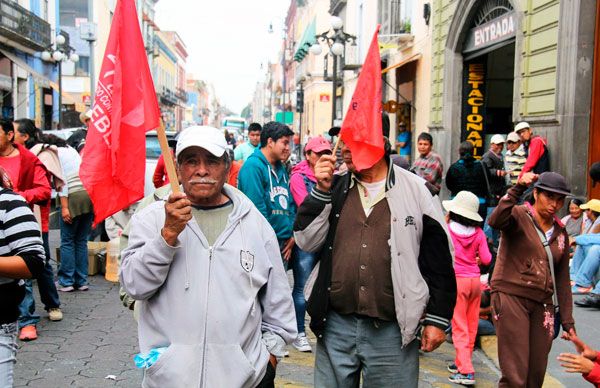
{"x":125,"y":107}
{"x":361,"y":130}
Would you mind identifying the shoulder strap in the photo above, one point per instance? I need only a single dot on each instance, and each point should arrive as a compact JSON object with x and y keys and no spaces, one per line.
{"x":487,"y":182}
{"x":546,"y":245}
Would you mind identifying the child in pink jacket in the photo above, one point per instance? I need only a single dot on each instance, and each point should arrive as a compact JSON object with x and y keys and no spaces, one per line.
{"x":470,"y":250}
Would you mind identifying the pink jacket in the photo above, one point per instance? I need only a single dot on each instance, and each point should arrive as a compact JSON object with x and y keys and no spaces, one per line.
{"x":297,"y":184}
{"x":466,"y":248}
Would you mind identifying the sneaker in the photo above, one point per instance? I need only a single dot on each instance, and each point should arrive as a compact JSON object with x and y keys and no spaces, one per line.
{"x":459,"y":378}
{"x":66,"y":288}
{"x":85,"y":287}
{"x":55,"y":314}
{"x":452,"y":368}
{"x":301,"y":343}
{"x":578,"y":290}
{"x":28,"y":333}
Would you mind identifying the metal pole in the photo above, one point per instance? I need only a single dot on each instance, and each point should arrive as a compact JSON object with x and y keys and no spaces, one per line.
{"x":59,"y":94}
{"x":92,"y":66}
{"x":284,"y":82}
{"x":334,"y":89}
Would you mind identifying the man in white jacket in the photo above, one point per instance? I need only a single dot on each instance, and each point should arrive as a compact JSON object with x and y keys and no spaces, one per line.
{"x":205,"y":268}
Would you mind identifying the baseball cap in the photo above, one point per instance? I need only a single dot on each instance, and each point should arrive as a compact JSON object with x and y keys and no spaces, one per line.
{"x":513,"y":137}
{"x":553,"y":182}
{"x":318,"y":144}
{"x":592,"y":204}
{"x":209,"y":138}
{"x":465,"y":204}
{"x":521,"y":126}
{"x":497,"y":139}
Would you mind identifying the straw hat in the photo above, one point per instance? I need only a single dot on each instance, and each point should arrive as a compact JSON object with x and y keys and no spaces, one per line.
{"x":465,"y":204}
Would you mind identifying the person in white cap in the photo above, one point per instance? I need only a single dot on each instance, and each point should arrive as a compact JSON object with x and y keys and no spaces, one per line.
{"x":515,"y":157}
{"x":206,"y":272}
{"x":536,"y":149}
{"x":494,"y":165}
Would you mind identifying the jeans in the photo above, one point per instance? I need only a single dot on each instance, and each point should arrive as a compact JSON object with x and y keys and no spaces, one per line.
{"x":485,"y":327}
{"x":73,"y":250}
{"x":588,"y":269}
{"x":491,"y":233}
{"x":353,"y":344}
{"x":46,"y":287}
{"x":8,"y":352}
{"x":286,"y":264}
{"x":302,"y":264}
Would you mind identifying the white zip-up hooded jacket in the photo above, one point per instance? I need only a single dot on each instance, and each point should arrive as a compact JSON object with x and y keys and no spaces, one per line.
{"x":209,"y":305}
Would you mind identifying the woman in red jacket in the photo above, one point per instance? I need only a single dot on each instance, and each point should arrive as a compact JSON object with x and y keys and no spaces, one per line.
{"x":30,"y":180}
{"x":587,"y":362}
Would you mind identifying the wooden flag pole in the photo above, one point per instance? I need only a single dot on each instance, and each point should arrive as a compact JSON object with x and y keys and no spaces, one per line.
{"x":337,"y":144}
{"x":166,"y":153}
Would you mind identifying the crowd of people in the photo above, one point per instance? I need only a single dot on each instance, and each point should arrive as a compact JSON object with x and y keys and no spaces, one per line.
{"x":381,"y":269}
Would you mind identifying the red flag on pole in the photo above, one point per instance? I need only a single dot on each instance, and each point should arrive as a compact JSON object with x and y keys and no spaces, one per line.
{"x":125,"y":108}
{"x":361,"y":130}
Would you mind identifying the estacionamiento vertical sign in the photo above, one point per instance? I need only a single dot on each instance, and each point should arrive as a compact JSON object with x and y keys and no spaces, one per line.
{"x":473,"y":117}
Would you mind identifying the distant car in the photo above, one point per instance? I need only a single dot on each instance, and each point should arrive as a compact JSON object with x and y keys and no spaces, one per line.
{"x":153,"y":152}
{"x":62,"y":133}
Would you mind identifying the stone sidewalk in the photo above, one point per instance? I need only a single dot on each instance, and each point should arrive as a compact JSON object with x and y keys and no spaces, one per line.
{"x":94,"y":345}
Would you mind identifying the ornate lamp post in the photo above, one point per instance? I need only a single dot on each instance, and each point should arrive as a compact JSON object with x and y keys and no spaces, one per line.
{"x":60,"y":52}
{"x":336,"y":38}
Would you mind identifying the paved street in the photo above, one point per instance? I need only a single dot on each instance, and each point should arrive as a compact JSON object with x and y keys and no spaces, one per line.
{"x":93,"y":347}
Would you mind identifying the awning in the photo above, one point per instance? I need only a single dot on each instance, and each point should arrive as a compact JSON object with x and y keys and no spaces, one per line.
{"x":308,"y":39}
{"x":39,"y":78}
{"x":415,"y":57}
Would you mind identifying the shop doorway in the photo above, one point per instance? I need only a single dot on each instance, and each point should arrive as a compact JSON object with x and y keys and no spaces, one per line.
{"x":488,"y":74}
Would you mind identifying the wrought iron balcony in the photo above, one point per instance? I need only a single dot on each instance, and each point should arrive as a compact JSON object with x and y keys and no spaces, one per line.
{"x":23,"y":27}
{"x":167,"y":96}
{"x":181,"y":94}
{"x":335,"y":6}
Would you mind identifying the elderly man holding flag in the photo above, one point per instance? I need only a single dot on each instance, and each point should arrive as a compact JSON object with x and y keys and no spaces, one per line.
{"x":384,"y":262}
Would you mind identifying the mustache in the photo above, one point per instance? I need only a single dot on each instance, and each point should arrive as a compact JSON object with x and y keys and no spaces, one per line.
{"x":203,"y":181}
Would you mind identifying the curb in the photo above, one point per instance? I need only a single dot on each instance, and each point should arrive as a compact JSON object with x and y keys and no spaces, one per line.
{"x":489,"y":346}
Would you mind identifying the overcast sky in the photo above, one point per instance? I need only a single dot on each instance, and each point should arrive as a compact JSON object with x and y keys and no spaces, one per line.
{"x":227,"y":40}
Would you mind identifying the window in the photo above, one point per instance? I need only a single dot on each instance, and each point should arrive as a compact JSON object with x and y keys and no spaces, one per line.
{"x":395,"y":16}
{"x":71,"y":11}
{"x":83,"y":66}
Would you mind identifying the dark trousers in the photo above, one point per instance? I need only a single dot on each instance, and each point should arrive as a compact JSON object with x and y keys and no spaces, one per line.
{"x":268,"y":380}
{"x":525,"y":331}
{"x":46,"y":287}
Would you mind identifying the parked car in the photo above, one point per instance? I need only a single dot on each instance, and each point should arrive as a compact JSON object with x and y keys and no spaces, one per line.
{"x":153,"y":152}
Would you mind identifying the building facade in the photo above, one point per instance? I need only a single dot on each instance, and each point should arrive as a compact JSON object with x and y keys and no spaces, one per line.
{"x":498,"y":62}
{"x":27,"y":84}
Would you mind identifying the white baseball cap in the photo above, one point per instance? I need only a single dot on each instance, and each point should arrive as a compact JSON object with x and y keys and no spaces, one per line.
{"x":209,"y":138}
{"x":497,"y":139}
{"x":521,"y":126}
{"x":465,"y":204}
{"x":513,"y":136}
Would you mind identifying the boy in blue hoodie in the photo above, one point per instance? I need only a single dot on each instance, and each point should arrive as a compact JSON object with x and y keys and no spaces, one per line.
{"x":264,"y":179}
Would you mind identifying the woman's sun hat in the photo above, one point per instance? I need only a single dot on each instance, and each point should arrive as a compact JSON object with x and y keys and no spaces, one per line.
{"x":465,"y":204}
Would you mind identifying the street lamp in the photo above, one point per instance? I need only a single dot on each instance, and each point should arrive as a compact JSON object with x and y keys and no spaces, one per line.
{"x":336,"y":38}
{"x":287,"y":46}
{"x":60,"y":52}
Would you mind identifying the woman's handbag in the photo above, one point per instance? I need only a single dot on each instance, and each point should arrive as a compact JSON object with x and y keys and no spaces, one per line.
{"x":557,"y":321}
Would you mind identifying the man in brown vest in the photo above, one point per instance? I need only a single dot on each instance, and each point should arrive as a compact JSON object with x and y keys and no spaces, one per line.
{"x":384,"y":270}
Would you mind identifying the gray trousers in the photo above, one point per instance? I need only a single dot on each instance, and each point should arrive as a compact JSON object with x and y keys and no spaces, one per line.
{"x":352,"y":345}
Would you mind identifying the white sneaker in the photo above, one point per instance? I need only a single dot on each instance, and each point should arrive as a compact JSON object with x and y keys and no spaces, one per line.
{"x":301,"y":343}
